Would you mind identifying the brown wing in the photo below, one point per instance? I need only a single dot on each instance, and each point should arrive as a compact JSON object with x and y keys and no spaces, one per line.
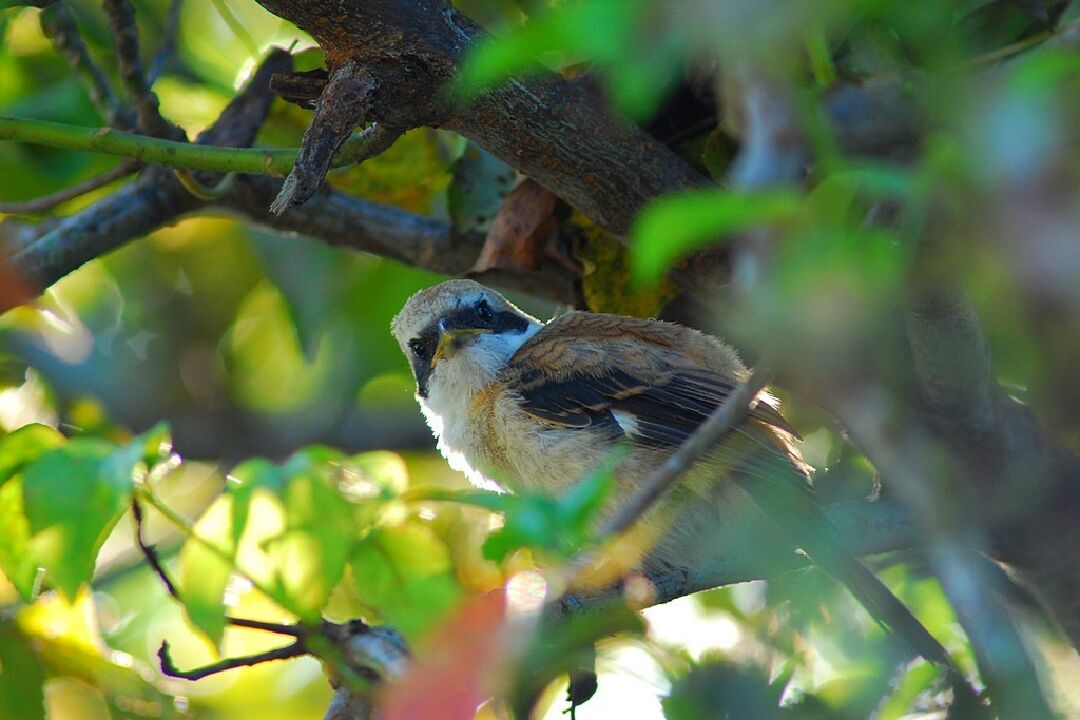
{"x":656,"y":382}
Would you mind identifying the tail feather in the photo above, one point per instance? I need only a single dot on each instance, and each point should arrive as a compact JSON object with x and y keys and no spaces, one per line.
{"x":777,"y":486}
{"x":872,"y":594}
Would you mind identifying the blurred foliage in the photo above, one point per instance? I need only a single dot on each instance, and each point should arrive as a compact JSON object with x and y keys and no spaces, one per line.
{"x":263,"y":352}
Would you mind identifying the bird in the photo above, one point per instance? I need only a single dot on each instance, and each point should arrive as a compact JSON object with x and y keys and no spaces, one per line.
{"x":521,"y":405}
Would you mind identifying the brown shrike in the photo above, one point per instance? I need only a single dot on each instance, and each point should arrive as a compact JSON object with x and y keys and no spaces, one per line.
{"x":534,"y":406}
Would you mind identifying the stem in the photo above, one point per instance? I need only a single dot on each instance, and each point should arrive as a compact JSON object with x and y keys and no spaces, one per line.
{"x":821,"y":64}
{"x":147,"y":495}
{"x":267,"y":161}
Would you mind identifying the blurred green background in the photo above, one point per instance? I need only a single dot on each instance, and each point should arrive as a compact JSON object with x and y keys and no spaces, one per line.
{"x":250,"y":343}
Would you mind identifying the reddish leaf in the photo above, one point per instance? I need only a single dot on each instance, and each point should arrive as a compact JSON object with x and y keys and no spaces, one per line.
{"x":457,"y":670}
{"x":14,"y":291}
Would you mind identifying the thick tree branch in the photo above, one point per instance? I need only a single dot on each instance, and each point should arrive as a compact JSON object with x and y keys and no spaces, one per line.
{"x":343,"y":105}
{"x":1014,"y":465}
{"x":555,"y":131}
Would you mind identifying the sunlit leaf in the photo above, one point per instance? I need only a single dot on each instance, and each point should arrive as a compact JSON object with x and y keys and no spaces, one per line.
{"x":403,"y":572}
{"x":674,"y":226}
{"x":560,"y":525}
{"x":316,"y":545}
{"x":22,"y":676}
{"x":72,"y":504}
{"x":24,"y":445}
{"x":243,"y":481}
{"x":205,"y":569}
{"x":592,"y":28}
{"x":18,"y":564}
{"x":309,"y":553}
{"x":69,"y":644}
{"x":128,"y":462}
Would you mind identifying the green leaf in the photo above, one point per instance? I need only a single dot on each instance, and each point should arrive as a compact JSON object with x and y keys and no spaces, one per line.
{"x":243,"y":481}
{"x":577,"y":507}
{"x":673,"y":226}
{"x":403,"y":573}
{"x":72,"y":504}
{"x":310,"y":554}
{"x":316,"y":545}
{"x":127,"y":463}
{"x":24,"y":445}
{"x":479,"y":182}
{"x":22,"y":677}
{"x":558,"y":525}
{"x":597,"y":29}
{"x":16,"y":561}
{"x":530,"y":523}
{"x":310,"y":306}
{"x":204,"y":573}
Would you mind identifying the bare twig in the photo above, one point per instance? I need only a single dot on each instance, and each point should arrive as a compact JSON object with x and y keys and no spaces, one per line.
{"x":169,"y":669}
{"x":46,"y":203}
{"x":168,"y":43}
{"x":150,"y":552}
{"x":344,"y":104}
{"x":374,"y":140}
{"x":58,"y":24}
{"x":271,"y":627}
{"x":126,"y":35}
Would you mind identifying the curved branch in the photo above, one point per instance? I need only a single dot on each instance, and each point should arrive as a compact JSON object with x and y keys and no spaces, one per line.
{"x":557,"y":132}
{"x":48,"y":202}
{"x":343,"y":105}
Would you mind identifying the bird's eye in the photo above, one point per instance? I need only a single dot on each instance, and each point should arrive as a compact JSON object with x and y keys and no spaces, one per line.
{"x":483,"y":311}
{"x":417,"y":347}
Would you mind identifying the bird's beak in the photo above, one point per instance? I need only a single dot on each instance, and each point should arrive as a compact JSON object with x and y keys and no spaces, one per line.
{"x":453,"y":339}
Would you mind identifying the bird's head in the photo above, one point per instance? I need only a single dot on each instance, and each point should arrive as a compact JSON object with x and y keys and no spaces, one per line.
{"x":460,"y":332}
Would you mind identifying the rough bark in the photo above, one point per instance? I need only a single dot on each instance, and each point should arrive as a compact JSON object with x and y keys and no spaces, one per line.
{"x":553,"y":130}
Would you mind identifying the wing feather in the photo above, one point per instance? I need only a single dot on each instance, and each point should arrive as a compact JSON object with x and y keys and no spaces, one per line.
{"x":583,"y":369}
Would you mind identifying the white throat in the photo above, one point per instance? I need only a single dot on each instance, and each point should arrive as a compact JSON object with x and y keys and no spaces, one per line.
{"x":454,"y":383}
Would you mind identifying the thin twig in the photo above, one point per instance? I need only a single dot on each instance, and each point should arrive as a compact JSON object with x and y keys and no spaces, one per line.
{"x":46,"y":203}
{"x":290,"y":630}
{"x":373,"y":140}
{"x":196,"y":188}
{"x":726,"y":416}
{"x":150,"y":552}
{"x":58,"y":24}
{"x":126,"y":35}
{"x":169,"y":669}
{"x":168,"y":42}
